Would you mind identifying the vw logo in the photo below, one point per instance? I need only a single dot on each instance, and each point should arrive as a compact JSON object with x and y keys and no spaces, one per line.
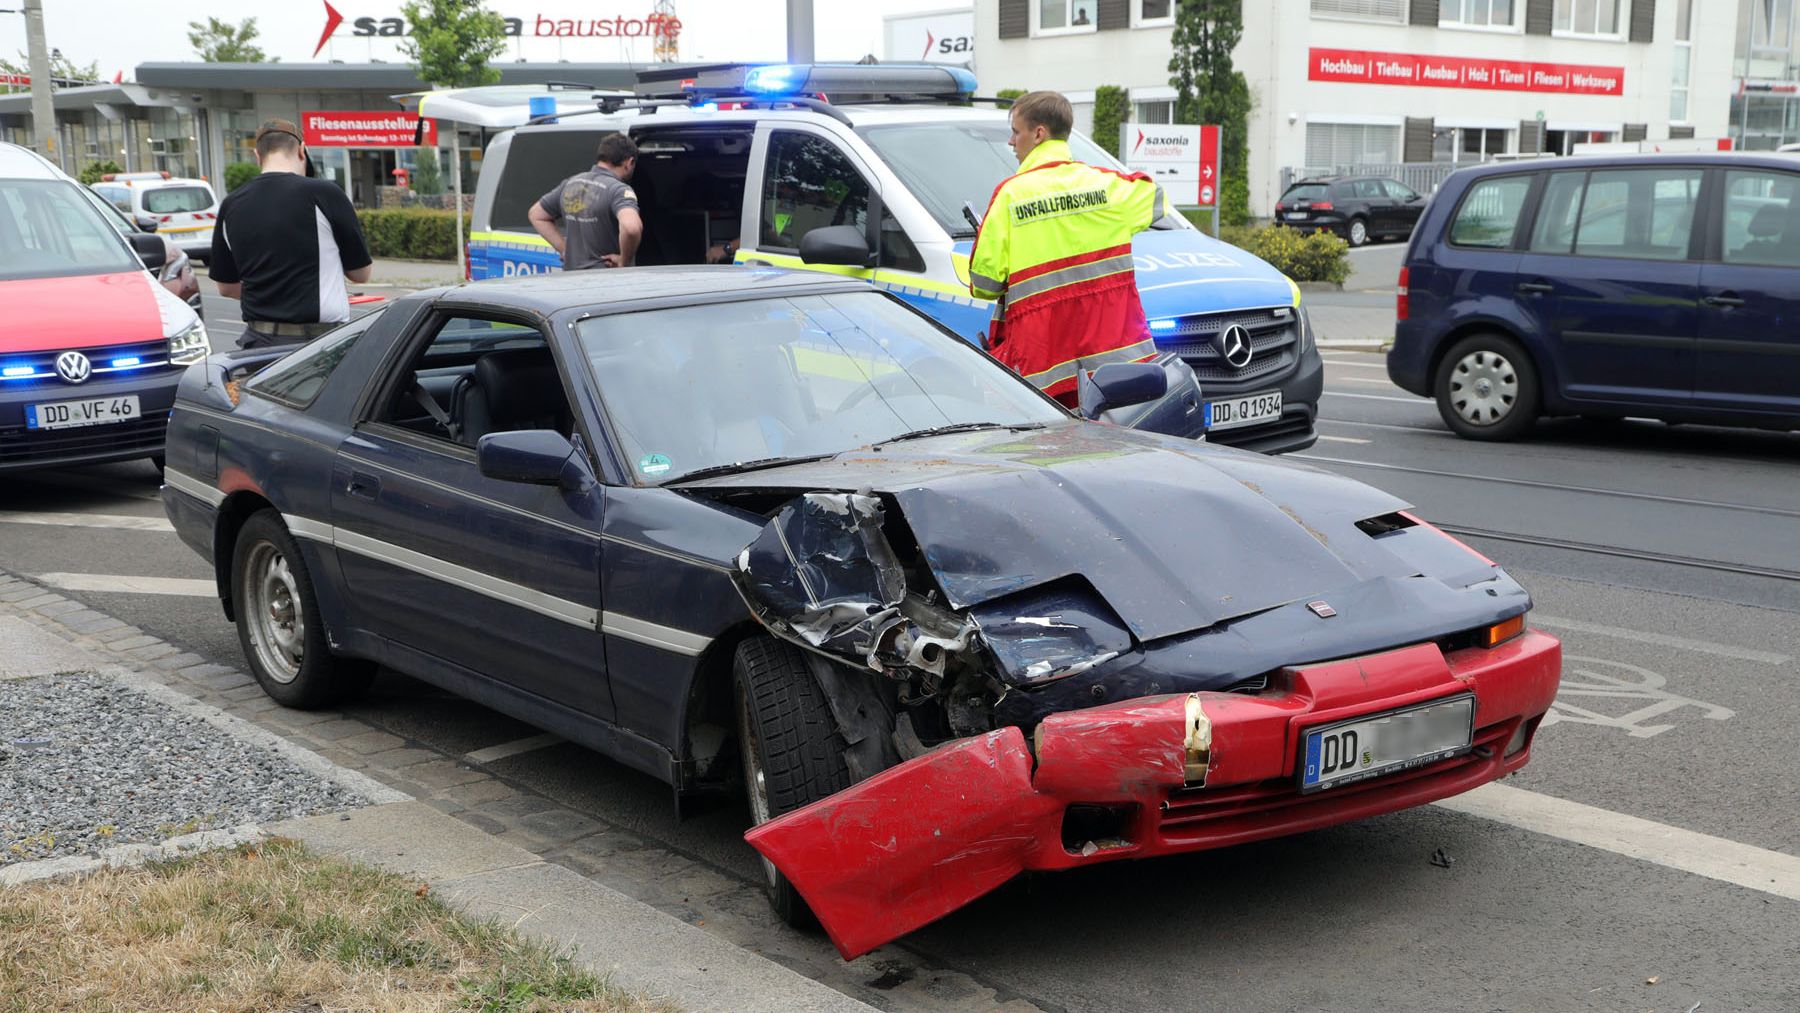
{"x":74,"y":367}
{"x":1234,"y":345}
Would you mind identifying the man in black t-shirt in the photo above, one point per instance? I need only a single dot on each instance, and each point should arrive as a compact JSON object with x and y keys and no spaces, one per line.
{"x":285,"y":244}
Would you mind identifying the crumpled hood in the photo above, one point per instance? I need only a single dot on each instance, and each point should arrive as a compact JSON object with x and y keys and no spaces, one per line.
{"x":1175,"y":536}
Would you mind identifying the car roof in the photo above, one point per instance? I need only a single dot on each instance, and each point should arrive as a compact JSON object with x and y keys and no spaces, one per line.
{"x":22,"y":163}
{"x":1707,"y":159}
{"x":873,"y":114}
{"x":563,"y":290}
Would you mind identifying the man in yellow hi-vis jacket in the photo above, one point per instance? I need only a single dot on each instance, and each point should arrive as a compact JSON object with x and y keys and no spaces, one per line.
{"x":1054,"y":252}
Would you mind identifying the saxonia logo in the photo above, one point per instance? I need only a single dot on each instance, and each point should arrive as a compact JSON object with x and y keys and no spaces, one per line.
{"x":1159,"y":145}
{"x":616,"y":27}
{"x":946,"y":45}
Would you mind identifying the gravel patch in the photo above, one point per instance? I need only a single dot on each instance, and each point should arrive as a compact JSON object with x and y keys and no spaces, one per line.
{"x":86,"y":763}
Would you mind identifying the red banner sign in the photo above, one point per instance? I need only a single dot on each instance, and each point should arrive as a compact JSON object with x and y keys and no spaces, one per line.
{"x":364,"y":129}
{"x":1413,"y":71}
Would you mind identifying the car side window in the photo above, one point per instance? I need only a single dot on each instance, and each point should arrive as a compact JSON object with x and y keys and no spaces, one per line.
{"x":297,"y":379}
{"x":1370,"y":189}
{"x":478,"y":375}
{"x":118,"y":195}
{"x":1398,"y":190}
{"x":1557,"y":210}
{"x":1489,"y":214}
{"x":1762,"y":218}
{"x":809,"y":183}
{"x":1644,"y":214}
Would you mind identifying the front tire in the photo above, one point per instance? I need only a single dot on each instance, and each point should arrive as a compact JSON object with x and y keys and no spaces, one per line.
{"x":278,"y":621}
{"x":1357,"y":233}
{"x":1487,"y":388}
{"x":792,"y":751}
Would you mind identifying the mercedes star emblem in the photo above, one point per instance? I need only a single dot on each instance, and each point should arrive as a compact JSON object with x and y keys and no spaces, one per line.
{"x":1234,"y":344}
{"x":74,"y":367}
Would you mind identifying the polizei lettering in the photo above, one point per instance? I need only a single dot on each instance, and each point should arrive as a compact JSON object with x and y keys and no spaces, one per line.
{"x":1057,"y":204}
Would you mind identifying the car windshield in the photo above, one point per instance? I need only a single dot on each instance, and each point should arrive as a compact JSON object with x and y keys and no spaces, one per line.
{"x":948,"y":164}
{"x":48,"y":229}
{"x":1304,"y":191}
{"x":697,"y":387}
{"x":174,"y":200}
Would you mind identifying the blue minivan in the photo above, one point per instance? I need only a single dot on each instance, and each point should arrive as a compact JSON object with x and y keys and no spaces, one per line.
{"x":1665,"y":286}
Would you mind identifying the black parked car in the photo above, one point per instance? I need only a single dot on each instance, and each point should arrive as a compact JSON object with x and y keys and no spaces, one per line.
{"x":1358,"y":208}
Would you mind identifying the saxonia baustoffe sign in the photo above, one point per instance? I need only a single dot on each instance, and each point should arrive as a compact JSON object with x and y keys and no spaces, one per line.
{"x":1183,"y":159}
{"x":930,"y":37}
{"x":518,"y":25}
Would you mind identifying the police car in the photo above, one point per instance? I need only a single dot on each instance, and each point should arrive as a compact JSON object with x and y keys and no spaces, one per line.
{"x":744,"y":163}
{"x":185,"y":209}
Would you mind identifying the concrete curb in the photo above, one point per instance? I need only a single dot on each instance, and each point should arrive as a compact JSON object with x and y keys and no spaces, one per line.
{"x":1356,"y":344}
{"x":643,"y":949}
{"x":638,"y":947}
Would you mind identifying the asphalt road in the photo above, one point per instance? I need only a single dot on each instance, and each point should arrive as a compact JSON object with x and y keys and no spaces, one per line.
{"x":1668,"y":558}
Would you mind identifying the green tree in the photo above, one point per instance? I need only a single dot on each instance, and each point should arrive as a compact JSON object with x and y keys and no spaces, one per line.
{"x":91,"y":172}
{"x":452,"y":42}
{"x":1111,"y":110}
{"x":219,"y":41}
{"x":239,"y":173}
{"x":427,"y":178}
{"x":1208,"y":89}
{"x":1010,"y":93}
{"x":61,"y":67}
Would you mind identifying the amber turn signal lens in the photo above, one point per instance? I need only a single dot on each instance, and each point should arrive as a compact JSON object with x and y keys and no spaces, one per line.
{"x":1501,"y":632}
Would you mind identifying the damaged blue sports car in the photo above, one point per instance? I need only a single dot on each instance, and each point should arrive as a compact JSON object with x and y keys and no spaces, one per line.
{"x":777,"y":533}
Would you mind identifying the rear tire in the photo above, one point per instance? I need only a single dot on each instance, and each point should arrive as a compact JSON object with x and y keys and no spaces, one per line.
{"x":1487,"y":388}
{"x":1357,"y":232}
{"x":278,"y":621}
{"x":792,"y":751}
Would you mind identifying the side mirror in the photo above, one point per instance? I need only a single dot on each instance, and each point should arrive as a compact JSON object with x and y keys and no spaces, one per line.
{"x":146,"y":223}
{"x":844,"y":245}
{"x":531,"y":456}
{"x":150,"y":249}
{"x":1118,"y":384}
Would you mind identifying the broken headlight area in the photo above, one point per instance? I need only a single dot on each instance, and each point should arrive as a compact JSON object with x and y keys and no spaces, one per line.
{"x":824,"y":573}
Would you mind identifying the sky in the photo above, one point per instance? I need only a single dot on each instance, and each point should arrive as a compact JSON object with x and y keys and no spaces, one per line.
{"x":720,"y":30}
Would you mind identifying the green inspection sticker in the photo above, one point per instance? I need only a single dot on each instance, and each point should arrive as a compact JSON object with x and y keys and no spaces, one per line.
{"x":654,"y":464}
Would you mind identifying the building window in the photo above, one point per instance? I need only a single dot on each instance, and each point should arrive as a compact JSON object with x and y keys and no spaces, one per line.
{"x":1363,"y":10}
{"x":1587,"y":17}
{"x":1469,"y":144}
{"x":1154,"y":112}
{"x":1333,"y":145}
{"x":1562,"y":142}
{"x":1152,"y":13}
{"x":1059,"y":17}
{"x":1477,"y":13}
{"x":1771,"y":24}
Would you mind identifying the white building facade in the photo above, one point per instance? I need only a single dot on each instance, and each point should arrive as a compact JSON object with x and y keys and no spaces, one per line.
{"x":1343,"y":84}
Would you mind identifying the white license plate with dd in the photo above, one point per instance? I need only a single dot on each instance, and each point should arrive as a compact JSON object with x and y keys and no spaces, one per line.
{"x":93,"y":412}
{"x":1296,"y":216}
{"x":1243,"y":411}
{"x":1368,"y":747}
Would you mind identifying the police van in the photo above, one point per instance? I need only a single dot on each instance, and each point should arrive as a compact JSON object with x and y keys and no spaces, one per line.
{"x":743,"y":163}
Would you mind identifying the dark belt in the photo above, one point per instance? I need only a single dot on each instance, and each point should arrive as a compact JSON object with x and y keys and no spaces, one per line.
{"x":281,"y":329}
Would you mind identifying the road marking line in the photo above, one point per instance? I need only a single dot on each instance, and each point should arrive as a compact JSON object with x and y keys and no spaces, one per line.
{"x":514,"y":748}
{"x":1427,"y":430}
{"x":1663,"y":640}
{"x":1728,"y":861}
{"x":183,"y":586}
{"x":1342,"y":439}
{"x":1421,"y":401}
{"x":69,"y":520}
{"x":1353,"y":362}
{"x":1379,"y":382}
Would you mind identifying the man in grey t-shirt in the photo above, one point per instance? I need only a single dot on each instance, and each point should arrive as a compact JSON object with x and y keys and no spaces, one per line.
{"x":598,"y":209}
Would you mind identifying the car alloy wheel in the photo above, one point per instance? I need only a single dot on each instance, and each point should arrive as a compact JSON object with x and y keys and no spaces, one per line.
{"x":1484,"y":386}
{"x":756,"y":782}
{"x":1359,"y":232}
{"x":275,"y":614}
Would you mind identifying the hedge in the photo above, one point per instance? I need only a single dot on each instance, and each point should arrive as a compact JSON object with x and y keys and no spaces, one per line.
{"x":239,"y":173}
{"x":1319,"y":256}
{"x":411,"y":233}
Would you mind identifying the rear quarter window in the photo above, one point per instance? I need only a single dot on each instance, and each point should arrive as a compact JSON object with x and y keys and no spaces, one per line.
{"x":296,"y":380}
{"x":1488,"y":216}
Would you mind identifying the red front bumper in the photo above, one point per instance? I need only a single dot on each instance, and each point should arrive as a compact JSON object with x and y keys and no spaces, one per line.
{"x":1185,"y":772}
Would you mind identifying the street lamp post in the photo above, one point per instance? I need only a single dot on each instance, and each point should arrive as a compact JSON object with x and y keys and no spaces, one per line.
{"x":43,"y":114}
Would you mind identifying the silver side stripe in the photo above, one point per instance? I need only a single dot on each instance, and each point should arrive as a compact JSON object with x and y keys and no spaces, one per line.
{"x":192,"y":486}
{"x":667,"y":638}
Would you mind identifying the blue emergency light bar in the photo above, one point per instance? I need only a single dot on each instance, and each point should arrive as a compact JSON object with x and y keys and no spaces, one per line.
{"x":130,"y":360}
{"x":836,"y":81}
{"x":1163,"y":325}
{"x":15,"y":371}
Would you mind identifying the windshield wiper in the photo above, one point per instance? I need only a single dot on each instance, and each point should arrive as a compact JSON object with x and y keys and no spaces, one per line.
{"x":959,"y":427}
{"x":739,"y":467}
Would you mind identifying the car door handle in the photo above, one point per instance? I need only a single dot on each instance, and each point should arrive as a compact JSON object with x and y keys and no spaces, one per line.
{"x":363,"y":485}
{"x":1535,"y":287}
{"x":1728,"y":300}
